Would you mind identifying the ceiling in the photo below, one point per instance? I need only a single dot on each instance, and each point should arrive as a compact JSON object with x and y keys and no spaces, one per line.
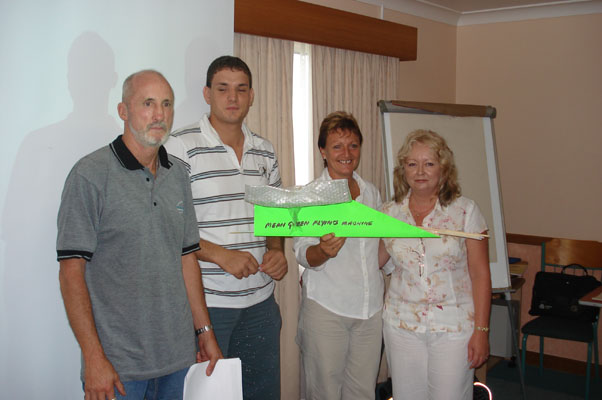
{"x":469,"y":12}
{"x":470,"y":6}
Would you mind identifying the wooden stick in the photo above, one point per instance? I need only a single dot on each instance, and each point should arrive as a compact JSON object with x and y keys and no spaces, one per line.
{"x":478,"y":236}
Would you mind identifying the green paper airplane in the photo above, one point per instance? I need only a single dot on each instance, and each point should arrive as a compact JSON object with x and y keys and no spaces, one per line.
{"x":351,"y":219}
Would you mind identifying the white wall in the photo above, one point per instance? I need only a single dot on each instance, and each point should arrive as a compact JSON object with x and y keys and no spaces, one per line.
{"x":63,"y":63}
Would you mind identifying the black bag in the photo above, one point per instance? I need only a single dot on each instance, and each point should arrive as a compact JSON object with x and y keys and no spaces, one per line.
{"x":557,"y":294}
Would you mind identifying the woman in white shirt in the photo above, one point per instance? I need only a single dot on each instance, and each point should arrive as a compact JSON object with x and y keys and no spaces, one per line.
{"x":340,"y":321}
{"x":436,"y":314}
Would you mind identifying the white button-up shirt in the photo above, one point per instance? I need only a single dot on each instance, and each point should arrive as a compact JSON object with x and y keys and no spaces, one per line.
{"x":350,"y":284}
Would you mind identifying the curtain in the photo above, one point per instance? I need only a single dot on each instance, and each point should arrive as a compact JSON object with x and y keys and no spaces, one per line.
{"x":271,"y":63}
{"x":345,"y":80}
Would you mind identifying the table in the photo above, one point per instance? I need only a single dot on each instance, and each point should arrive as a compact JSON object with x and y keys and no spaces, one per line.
{"x":588,"y":300}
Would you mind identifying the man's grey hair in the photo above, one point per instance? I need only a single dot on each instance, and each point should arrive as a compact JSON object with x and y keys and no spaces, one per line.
{"x":126,"y":91}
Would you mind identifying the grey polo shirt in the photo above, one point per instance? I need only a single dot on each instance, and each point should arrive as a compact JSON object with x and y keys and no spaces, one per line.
{"x":132,"y":229}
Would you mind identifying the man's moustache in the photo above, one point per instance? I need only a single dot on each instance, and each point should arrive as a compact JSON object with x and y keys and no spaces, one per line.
{"x":158,"y":125}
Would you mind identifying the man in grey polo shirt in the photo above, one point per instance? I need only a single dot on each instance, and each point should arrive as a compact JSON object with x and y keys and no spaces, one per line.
{"x":128,"y":274}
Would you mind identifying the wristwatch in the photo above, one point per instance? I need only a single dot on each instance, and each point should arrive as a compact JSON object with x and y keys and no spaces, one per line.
{"x":203,"y":329}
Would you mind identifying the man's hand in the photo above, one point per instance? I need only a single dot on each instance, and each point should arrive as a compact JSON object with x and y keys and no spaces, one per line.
{"x":274,"y":264}
{"x":239,"y":263}
{"x":100,"y":379}
{"x":208,"y":351}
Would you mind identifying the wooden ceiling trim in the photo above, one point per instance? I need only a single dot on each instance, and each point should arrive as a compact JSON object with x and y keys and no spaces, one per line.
{"x":311,"y":23}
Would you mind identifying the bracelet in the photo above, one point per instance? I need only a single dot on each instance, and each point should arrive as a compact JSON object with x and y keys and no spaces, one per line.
{"x":482,"y":328}
{"x":203,"y":329}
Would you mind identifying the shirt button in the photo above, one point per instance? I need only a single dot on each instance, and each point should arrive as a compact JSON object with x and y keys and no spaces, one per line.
{"x":148,"y":179}
{"x":154,"y":203}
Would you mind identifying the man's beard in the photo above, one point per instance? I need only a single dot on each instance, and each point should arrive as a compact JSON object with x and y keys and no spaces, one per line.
{"x":146,"y":139}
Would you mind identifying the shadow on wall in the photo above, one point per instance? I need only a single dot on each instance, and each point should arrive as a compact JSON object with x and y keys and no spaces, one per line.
{"x":39,"y":352}
{"x":194,"y":106}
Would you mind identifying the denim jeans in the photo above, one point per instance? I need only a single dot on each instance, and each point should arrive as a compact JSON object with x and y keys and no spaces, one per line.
{"x":253,"y":335}
{"x":168,"y":387}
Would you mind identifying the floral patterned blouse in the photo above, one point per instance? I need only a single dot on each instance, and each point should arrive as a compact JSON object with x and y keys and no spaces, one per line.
{"x":430,"y":287}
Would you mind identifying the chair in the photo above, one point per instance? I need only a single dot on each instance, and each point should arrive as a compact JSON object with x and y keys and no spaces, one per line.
{"x":556,"y":254}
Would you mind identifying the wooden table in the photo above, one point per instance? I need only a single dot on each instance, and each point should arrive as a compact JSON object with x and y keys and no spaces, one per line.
{"x":588,"y":300}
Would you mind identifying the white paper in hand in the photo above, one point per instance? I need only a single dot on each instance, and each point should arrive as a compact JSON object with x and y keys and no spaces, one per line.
{"x":225,"y":383}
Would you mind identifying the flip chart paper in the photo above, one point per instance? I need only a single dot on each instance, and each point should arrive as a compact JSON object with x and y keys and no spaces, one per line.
{"x":351,"y":219}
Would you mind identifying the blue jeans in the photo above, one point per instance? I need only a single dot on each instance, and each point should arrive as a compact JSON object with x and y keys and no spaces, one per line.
{"x":253,"y":335}
{"x":168,"y":387}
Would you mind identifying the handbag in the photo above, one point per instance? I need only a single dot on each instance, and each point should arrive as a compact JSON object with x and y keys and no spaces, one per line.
{"x":557,"y":294}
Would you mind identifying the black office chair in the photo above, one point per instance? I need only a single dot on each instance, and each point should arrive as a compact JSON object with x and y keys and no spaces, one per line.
{"x":556,"y":254}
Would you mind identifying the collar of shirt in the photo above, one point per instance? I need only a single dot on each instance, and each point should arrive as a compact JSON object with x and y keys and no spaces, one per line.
{"x":211,"y":133}
{"x":326,"y":176}
{"x":127,"y":159}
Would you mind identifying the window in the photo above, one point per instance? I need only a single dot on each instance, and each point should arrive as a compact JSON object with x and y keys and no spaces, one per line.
{"x":302,"y":114}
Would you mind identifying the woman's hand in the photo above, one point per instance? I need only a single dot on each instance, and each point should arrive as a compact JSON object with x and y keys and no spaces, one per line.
{"x":330,"y":245}
{"x":480,"y":276}
{"x":478,"y":348}
{"x":327,"y":248}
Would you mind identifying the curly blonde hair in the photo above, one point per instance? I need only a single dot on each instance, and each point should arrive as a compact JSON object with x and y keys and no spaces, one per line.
{"x":449,"y":188}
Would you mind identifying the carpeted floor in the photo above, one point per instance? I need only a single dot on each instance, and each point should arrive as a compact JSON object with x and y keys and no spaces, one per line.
{"x":553,"y":385}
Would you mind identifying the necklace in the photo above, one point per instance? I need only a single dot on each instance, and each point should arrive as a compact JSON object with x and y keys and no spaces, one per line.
{"x":421,"y":213}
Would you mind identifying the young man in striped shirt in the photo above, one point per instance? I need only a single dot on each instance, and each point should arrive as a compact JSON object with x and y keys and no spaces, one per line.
{"x":222,"y":156}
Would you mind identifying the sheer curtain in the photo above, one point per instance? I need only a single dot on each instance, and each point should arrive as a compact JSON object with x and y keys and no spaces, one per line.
{"x":271,"y":63}
{"x":345,"y":80}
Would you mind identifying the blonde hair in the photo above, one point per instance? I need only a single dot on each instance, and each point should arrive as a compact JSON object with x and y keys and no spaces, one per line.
{"x":449,"y":188}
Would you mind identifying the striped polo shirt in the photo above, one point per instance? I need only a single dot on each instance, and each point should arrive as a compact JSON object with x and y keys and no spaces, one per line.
{"x":218,"y":187}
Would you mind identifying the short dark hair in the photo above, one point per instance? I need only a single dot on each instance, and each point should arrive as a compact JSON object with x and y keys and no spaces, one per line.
{"x":230,"y":62}
{"x":338,"y":120}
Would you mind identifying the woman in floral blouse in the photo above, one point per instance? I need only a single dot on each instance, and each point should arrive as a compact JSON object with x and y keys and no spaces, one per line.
{"x":436,"y":313}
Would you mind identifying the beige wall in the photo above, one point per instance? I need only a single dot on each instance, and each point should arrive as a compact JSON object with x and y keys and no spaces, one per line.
{"x":432,"y":77}
{"x":545,"y":79}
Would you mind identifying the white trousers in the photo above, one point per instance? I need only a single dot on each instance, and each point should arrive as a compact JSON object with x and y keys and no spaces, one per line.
{"x":428,"y":366}
{"x":340,"y":355}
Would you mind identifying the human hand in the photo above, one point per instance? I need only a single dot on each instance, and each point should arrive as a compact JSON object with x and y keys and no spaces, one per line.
{"x":330,"y":245}
{"x":100,"y":379}
{"x":208,"y":351}
{"x":274,"y":264}
{"x":241,"y":264}
{"x":478,"y":348}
